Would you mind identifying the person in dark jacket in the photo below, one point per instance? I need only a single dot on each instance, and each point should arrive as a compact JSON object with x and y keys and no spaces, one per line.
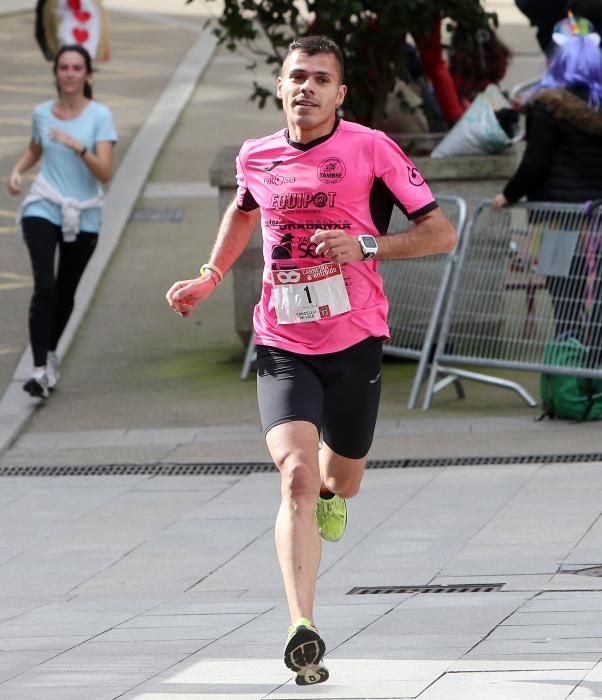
{"x":543,"y":14}
{"x":562,"y":163}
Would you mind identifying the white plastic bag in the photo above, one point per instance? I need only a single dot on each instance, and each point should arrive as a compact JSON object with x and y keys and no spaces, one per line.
{"x":478,"y":130}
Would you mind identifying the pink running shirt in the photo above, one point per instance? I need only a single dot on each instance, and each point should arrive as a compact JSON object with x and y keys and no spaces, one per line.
{"x":349,"y":180}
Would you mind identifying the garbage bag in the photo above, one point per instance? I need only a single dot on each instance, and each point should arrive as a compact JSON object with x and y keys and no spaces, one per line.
{"x":478,"y":131}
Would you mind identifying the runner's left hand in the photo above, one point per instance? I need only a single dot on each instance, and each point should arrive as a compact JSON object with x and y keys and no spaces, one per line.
{"x":338,"y":246}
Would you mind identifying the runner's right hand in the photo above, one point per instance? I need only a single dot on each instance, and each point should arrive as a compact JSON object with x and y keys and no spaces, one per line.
{"x":186,"y":295}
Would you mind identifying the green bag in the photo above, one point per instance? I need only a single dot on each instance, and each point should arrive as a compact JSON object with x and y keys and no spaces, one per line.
{"x":566,"y":396}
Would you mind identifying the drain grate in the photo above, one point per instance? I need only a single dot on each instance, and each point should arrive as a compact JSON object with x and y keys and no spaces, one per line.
{"x":452,"y":588}
{"x":237,"y":469}
{"x":244,"y":468}
{"x":158,"y":215}
{"x":470,"y":461}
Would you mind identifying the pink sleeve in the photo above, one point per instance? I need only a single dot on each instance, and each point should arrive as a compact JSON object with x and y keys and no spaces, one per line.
{"x":244,"y":198}
{"x":399,"y":174}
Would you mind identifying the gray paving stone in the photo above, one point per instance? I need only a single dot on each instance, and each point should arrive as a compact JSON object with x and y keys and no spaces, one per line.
{"x":81,"y":456}
{"x":520,"y":685}
{"x":213,"y":677}
{"x":255,"y":495}
{"x":90,"y":692}
{"x":96,"y":438}
{"x":560,"y":660}
{"x":205,"y":483}
{"x":518,"y":559}
{"x":15,"y":663}
{"x":505,"y":663}
{"x":39,"y":643}
{"x":587,"y":690}
{"x":242,"y":693}
{"x":577,"y":601}
{"x":231,"y":607}
{"x":534,"y":632}
{"x":225,"y":450}
{"x":341,"y":687}
{"x":179,"y":557}
{"x":199,"y":621}
{"x":550,"y":645}
{"x":557,"y":617}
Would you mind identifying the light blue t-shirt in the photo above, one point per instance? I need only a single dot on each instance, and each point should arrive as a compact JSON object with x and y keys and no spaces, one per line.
{"x":62,"y":167}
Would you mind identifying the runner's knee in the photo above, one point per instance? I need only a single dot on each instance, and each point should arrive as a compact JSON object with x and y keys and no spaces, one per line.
{"x":300,"y":480}
{"x":346,"y":487}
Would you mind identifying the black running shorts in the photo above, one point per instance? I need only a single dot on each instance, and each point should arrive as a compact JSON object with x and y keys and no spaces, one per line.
{"x":338,"y":392}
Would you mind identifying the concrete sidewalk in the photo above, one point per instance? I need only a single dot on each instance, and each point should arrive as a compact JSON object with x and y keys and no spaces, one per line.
{"x":167,"y":588}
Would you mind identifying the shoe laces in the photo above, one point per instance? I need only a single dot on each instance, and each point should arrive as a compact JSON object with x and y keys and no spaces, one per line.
{"x":329,"y":506}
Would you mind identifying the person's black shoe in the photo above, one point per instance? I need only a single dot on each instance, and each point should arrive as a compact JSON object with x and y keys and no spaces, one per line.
{"x":303,"y":653}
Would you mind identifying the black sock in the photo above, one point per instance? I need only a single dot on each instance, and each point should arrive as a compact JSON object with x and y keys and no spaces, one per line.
{"x":325,"y":493}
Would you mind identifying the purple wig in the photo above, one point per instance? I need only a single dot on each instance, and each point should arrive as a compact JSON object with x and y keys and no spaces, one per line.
{"x":578,"y":62}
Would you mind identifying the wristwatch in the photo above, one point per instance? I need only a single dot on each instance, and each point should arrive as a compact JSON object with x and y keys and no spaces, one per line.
{"x":368,"y":245}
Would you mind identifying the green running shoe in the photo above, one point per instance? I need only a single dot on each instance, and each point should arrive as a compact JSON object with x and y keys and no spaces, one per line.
{"x":304,"y":651}
{"x":331,"y":515}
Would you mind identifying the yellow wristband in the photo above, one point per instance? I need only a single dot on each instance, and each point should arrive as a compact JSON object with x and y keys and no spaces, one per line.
{"x":214,"y":271}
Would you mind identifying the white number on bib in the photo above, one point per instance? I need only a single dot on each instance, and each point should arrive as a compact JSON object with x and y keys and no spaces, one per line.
{"x":309,"y":294}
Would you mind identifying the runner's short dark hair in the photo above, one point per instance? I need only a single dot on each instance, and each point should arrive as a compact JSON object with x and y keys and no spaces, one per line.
{"x":314,"y":44}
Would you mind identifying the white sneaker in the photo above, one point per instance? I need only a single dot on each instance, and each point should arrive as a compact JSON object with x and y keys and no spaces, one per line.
{"x":37,"y":384}
{"x":52,"y":369}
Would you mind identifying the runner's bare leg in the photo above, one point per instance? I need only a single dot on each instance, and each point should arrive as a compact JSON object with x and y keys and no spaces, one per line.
{"x":341,"y":475}
{"x":294,"y":449}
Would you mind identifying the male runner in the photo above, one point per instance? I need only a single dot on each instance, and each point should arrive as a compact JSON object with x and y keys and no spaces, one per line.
{"x":324,"y":190}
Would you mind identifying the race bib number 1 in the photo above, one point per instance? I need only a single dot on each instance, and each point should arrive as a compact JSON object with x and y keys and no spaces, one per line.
{"x":310,"y":293}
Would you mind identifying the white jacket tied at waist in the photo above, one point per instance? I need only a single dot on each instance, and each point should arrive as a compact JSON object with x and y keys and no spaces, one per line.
{"x":71,"y":208}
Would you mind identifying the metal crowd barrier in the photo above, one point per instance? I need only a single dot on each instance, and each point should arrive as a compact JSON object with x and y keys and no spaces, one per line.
{"x":527,"y":274}
{"x":416,"y":291}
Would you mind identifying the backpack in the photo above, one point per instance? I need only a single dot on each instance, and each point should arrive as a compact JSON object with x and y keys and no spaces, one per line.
{"x":566,"y":396}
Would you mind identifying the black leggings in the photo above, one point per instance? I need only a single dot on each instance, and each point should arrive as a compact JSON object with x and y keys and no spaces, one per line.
{"x":53,"y":292}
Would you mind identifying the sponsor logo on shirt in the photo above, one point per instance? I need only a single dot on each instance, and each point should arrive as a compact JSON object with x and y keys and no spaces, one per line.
{"x":331,"y":170}
{"x":415,"y":177}
{"x":275,"y":164}
{"x":305,"y":247}
{"x":284,"y":249}
{"x":278,"y":179}
{"x":307,"y":225}
{"x":302,"y":200}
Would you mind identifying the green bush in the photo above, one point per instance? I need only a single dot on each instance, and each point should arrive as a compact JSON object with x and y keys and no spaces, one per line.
{"x":371,"y":35}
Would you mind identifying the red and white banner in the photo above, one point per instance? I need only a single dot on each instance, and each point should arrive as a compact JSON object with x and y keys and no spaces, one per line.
{"x":62,"y":22}
{"x":79,"y":23}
